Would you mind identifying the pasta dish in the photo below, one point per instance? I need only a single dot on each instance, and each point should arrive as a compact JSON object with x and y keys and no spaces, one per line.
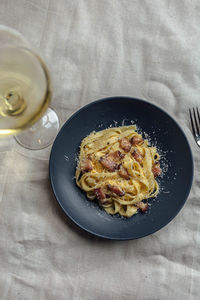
{"x":118,"y":168}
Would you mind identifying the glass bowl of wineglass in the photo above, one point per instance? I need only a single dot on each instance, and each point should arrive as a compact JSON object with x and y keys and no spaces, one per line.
{"x":25,"y":93}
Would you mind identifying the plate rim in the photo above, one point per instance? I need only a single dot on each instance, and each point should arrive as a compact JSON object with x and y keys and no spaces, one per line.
{"x":104,"y":236}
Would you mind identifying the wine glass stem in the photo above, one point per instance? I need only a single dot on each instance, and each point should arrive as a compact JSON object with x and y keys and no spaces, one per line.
{"x":12,"y":104}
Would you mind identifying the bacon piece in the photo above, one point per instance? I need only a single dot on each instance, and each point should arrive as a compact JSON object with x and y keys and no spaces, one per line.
{"x":143,"y":206}
{"x":116,"y":190}
{"x":108,"y":164}
{"x":156,"y":169}
{"x":136,"y":140}
{"x":86,"y":165}
{"x":99,"y":193}
{"x":111,"y":161}
{"x":125,"y":144}
{"x":123,"y":172}
{"x":116,"y":156}
{"x":138,"y":156}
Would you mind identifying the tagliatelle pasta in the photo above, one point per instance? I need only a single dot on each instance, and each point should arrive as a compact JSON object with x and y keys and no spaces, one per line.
{"x":118,"y":168}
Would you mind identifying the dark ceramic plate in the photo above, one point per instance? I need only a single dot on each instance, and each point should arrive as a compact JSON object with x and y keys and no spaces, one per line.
{"x":176,"y":162}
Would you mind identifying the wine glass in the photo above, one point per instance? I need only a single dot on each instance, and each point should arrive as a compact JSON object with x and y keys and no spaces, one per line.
{"x":25,"y":93}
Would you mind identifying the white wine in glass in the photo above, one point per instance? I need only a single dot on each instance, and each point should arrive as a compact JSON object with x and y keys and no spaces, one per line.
{"x":25,"y":93}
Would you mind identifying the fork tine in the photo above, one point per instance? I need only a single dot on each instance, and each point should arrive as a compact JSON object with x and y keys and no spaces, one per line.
{"x":198,"y":115}
{"x":192,"y":123}
{"x":195,"y":120}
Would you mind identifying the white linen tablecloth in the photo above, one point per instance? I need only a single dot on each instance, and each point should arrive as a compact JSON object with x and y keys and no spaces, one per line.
{"x":98,"y":48}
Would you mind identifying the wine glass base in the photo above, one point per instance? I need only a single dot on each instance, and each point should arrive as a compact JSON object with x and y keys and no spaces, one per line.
{"x":42,"y":133}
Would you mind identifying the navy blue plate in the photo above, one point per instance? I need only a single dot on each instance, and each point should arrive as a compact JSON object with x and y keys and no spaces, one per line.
{"x":176,"y":161}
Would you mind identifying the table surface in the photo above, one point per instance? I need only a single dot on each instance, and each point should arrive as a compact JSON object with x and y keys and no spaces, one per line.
{"x":95,"y":49}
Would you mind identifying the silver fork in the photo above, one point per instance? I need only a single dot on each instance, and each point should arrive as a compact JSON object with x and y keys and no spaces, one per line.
{"x":195,"y":124}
